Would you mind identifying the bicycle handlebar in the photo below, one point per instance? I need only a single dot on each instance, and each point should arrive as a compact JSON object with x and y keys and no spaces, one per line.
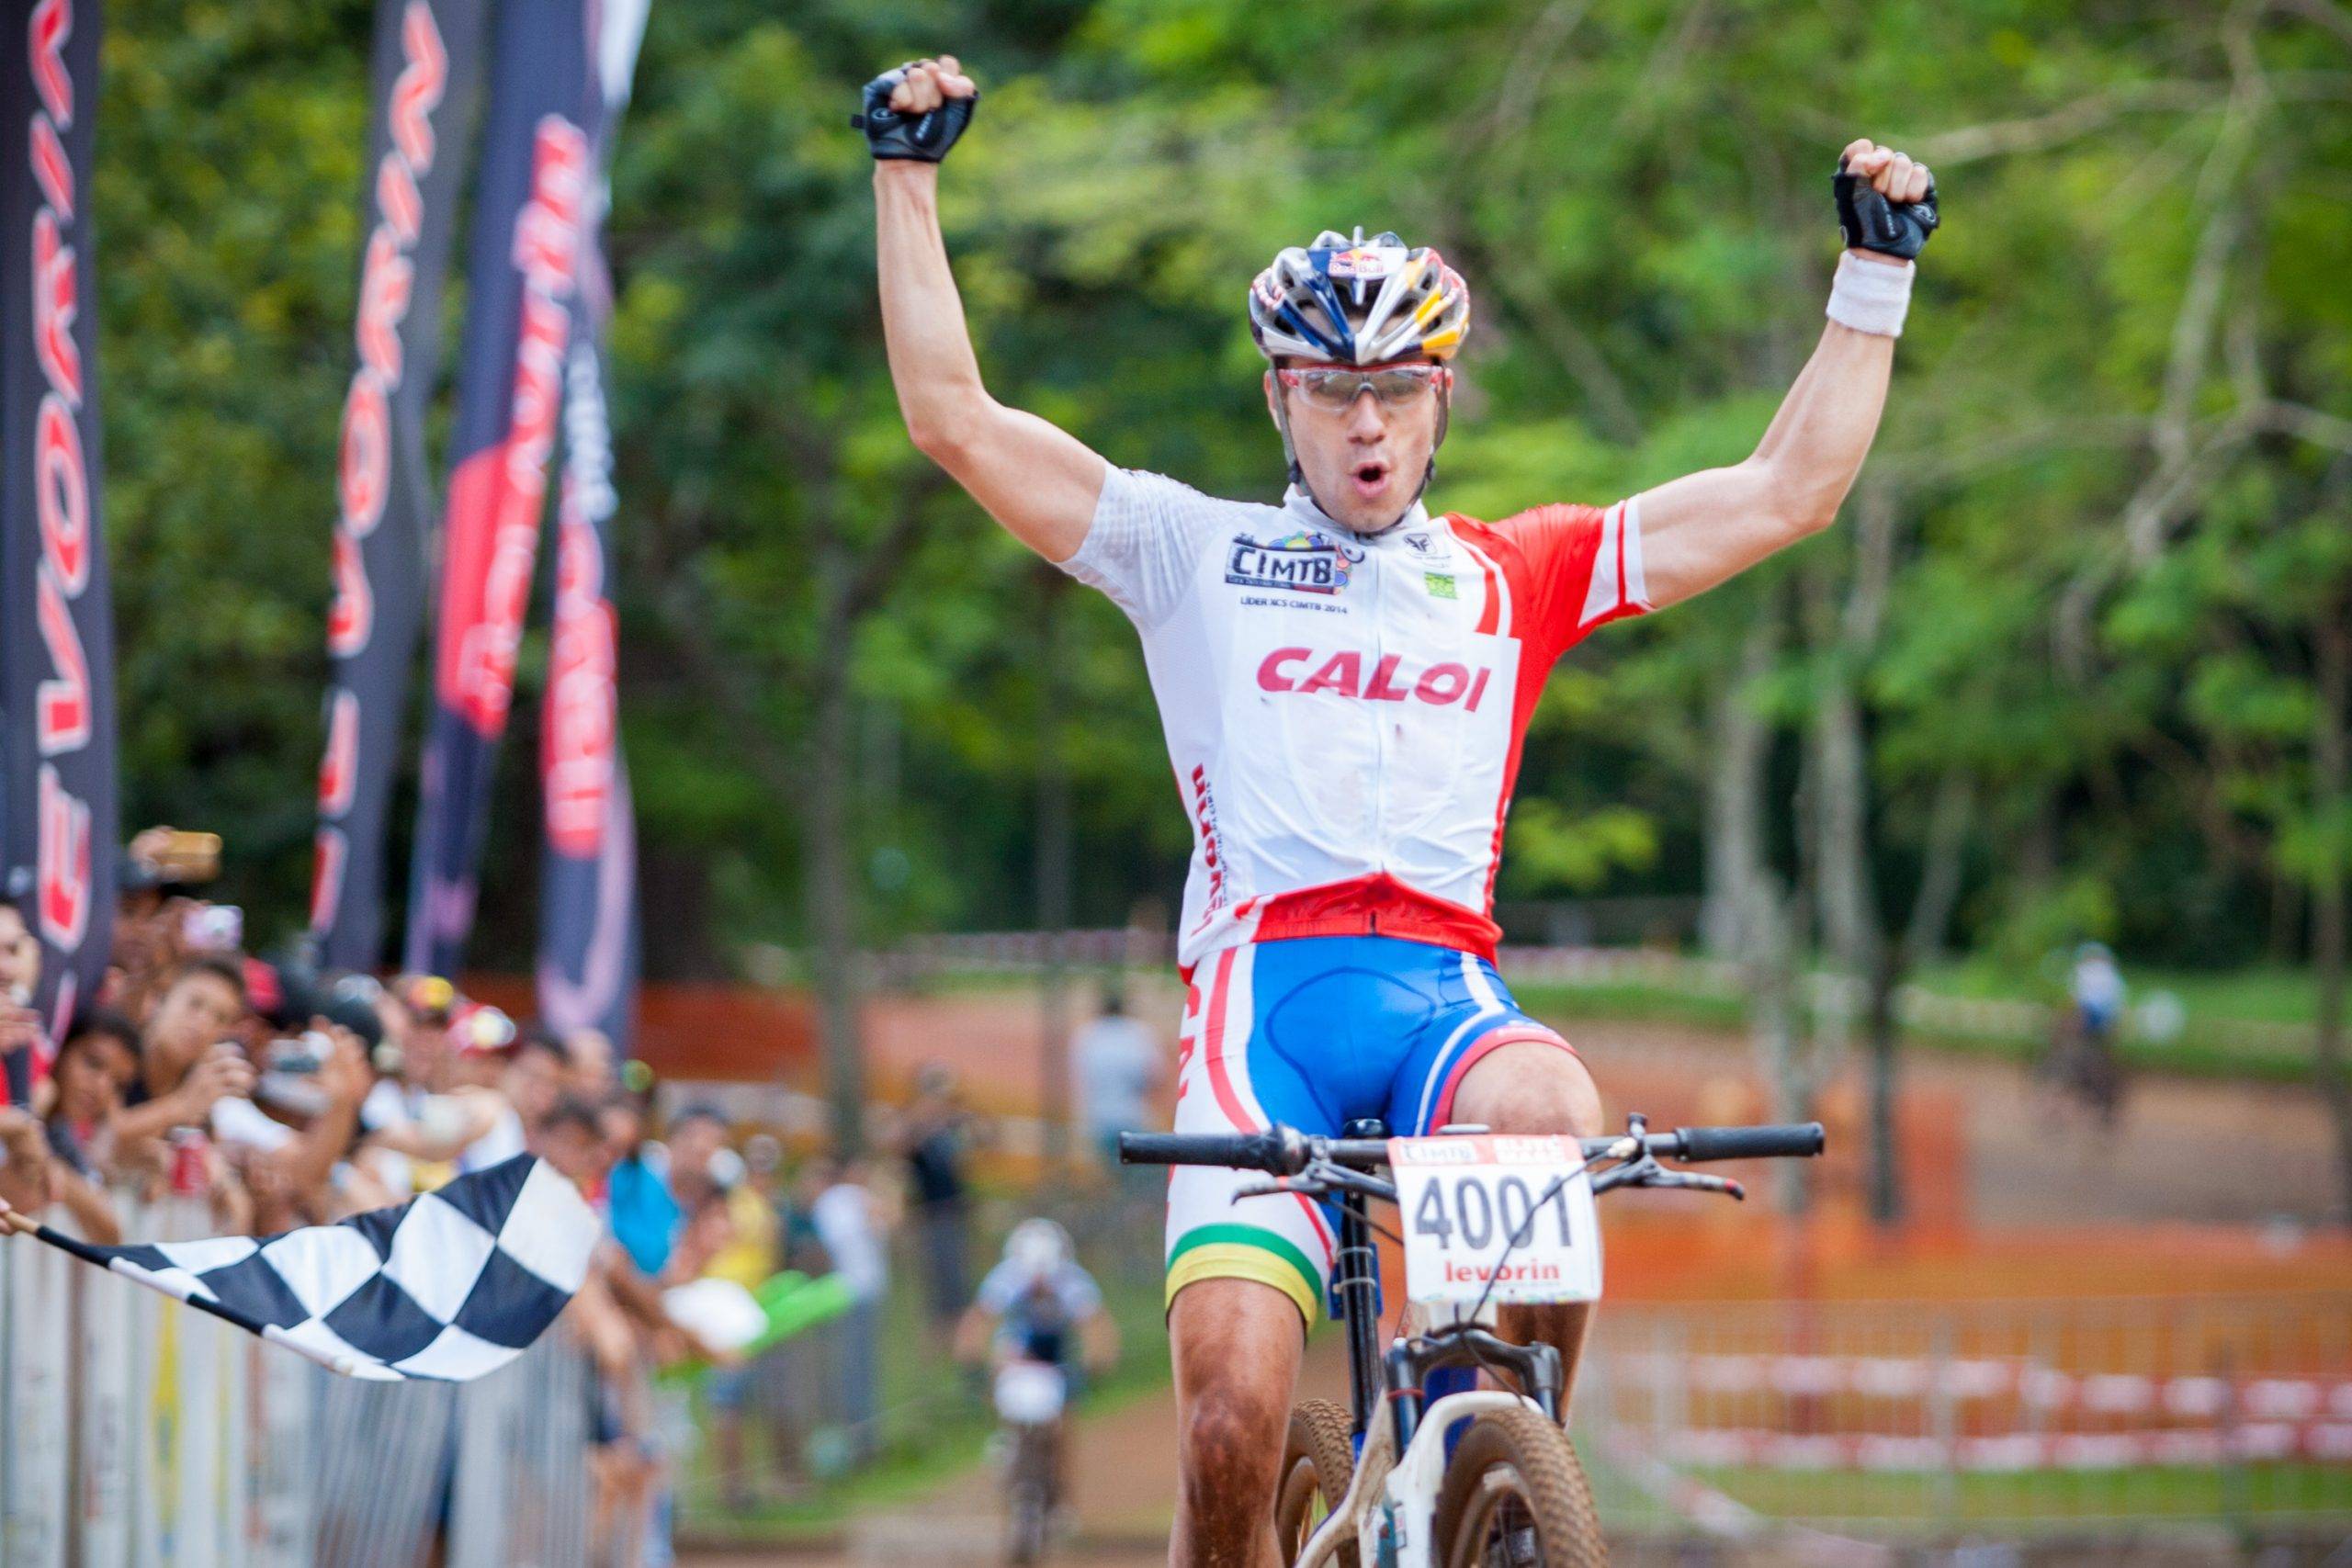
{"x":1268,"y":1151}
{"x":1795,"y":1140}
{"x":1284,"y":1151}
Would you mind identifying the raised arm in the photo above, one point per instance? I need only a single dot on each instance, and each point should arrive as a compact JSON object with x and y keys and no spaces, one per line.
{"x":1039,"y":481}
{"x":1701,"y":529}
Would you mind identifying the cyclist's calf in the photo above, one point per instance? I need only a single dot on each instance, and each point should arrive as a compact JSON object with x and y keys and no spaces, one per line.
{"x":1236,"y":1346}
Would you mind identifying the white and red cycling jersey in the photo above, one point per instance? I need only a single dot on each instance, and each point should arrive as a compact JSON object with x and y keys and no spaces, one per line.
{"x":1344,"y":712}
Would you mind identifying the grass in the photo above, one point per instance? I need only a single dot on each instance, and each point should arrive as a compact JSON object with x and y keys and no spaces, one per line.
{"x":2215,"y":1041}
{"x":2043,"y":1501}
{"x":2205,"y":1048}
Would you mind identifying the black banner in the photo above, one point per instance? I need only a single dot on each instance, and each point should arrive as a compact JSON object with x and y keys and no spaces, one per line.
{"x":538,"y":179}
{"x":427,"y":72}
{"x":57,"y":729}
{"x":588,"y":936}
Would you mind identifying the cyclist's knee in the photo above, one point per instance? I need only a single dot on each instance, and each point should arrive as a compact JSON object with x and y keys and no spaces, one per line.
{"x":1233,"y":1437}
{"x":1532,"y":1086}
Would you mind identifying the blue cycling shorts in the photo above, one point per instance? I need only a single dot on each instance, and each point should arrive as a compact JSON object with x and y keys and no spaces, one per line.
{"x":1315,"y":1032}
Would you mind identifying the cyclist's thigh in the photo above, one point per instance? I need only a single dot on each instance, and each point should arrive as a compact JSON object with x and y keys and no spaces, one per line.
{"x":1478,"y":1022}
{"x":1251,"y":1057}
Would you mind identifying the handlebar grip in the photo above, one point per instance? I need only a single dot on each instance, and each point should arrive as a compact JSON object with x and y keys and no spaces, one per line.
{"x":1241,"y":1151}
{"x":1800,"y":1140}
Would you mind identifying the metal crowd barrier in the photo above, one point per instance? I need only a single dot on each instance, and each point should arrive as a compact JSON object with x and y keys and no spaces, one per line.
{"x":138,"y":1433}
{"x":1894,"y":1421}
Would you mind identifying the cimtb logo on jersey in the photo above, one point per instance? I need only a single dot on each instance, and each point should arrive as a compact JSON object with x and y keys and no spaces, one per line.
{"x":1302,"y":562}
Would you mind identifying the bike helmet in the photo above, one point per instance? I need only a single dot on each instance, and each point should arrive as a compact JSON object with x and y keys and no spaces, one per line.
{"x":1038,"y":1246}
{"x":1359,"y":301}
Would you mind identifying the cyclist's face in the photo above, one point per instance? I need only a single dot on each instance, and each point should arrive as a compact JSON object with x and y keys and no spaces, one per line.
{"x":1363,"y":462}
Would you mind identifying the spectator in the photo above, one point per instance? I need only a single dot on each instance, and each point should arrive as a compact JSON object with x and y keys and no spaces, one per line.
{"x":482,"y":1037}
{"x":591,"y":1055}
{"x":95,"y":1068}
{"x":412,"y":1132}
{"x":934,"y":1138}
{"x":1120,"y":1066}
{"x":645,"y":1216}
{"x":698,"y":1136}
{"x":746,"y":1256}
{"x":851,"y":1224}
{"x":191,"y":1057}
{"x":537,"y":1074}
{"x":24,"y":1160}
{"x":22,"y":1044}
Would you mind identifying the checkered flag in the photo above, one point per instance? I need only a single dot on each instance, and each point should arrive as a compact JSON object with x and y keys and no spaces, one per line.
{"x":448,"y":1286}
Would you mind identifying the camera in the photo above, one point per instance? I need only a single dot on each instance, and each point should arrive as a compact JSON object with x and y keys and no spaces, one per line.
{"x":301,"y":1055}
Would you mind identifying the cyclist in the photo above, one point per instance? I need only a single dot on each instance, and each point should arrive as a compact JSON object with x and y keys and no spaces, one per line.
{"x":1038,"y":1304}
{"x":1343,"y":678}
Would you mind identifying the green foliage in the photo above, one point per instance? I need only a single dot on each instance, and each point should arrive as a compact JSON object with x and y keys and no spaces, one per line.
{"x":1637,"y":193}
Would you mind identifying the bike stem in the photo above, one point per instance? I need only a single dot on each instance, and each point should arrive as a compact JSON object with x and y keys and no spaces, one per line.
{"x":1356,"y":1283}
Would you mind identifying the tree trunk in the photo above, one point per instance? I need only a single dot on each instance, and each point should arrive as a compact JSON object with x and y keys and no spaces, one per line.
{"x":1880,"y":1025}
{"x":1842,"y":891}
{"x":1053,"y":870}
{"x":2331,"y":803}
{"x":1927,"y":933}
{"x":829,"y":873}
{"x":1769,"y":966}
{"x":1742,"y":744}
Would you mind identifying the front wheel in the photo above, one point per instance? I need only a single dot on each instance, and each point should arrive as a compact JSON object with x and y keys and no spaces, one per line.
{"x":1318,"y":1462}
{"x":1515,"y":1497}
{"x":1030,"y":1493}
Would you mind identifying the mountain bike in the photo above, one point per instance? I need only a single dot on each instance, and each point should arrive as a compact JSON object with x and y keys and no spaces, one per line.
{"x":1030,"y":1395}
{"x":1413,"y":1475}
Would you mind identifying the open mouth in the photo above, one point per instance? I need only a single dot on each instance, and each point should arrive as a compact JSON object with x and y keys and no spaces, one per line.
{"x":1371,"y":477}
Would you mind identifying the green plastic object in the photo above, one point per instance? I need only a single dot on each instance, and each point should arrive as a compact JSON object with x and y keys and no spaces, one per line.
{"x":794,"y":1303}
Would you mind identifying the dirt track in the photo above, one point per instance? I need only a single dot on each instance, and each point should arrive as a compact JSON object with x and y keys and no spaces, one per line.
{"x":2187,"y":1151}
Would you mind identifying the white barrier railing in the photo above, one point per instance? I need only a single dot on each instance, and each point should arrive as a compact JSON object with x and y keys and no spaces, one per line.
{"x":1880,"y":1419}
{"x":140,"y":1434}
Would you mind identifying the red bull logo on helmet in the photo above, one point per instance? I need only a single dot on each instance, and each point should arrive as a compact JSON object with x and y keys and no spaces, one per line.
{"x":1367,"y":262}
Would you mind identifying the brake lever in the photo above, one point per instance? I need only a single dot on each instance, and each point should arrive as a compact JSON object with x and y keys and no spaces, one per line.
{"x":1698,"y":1183}
{"x":1306,"y":1187}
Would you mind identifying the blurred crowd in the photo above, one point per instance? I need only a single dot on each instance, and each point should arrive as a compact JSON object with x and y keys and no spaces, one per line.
{"x":265,"y":1093}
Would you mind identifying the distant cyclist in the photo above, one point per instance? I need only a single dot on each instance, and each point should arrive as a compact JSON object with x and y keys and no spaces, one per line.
{"x":2084,"y":1062}
{"x":1038,"y":1323}
{"x":1038,"y":1304}
{"x":1343,"y":680}
{"x":2098,"y":992}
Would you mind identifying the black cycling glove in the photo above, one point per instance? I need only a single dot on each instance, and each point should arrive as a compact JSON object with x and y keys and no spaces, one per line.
{"x":924,"y":138}
{"x":1872,"y":222}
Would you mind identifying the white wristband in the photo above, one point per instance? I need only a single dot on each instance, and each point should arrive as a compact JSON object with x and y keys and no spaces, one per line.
{"x":1870,"y":296}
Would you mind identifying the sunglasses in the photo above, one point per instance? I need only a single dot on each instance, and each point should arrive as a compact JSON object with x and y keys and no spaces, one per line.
{"x":1334,"y":388}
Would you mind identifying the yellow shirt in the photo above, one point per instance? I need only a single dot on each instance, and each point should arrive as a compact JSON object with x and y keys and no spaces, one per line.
{"x":750,"y":1258}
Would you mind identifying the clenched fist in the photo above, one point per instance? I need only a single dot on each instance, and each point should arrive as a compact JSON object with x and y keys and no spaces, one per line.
{"x":916,"y":112}
{"x":1887,"y":203}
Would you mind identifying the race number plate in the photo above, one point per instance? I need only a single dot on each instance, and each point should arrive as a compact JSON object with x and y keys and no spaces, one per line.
{"x":1517,"y":1211}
